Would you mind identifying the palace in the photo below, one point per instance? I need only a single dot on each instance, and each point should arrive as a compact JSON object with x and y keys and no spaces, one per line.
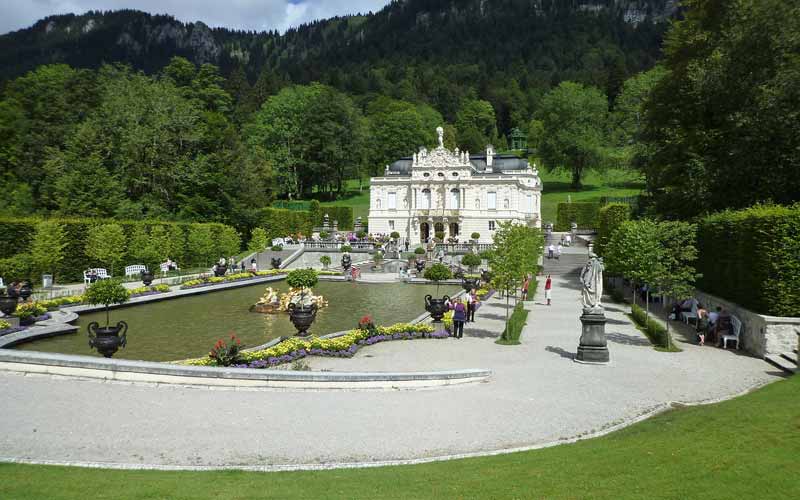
{"x":454,"y":193}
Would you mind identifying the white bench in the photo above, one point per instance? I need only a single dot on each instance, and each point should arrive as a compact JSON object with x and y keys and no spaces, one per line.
{"x":135,"y":270}
{"x":736,"y":324}
{"x":100,"y":272}
{"x":165,"y":267}
{"x":687,"y":315}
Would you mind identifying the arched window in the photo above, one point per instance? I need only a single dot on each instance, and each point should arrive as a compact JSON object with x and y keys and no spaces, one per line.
{"x":378,"y":203}
{"x":477,"y":204}
{"x":426,"y":199}
{"x":455,"y":195}
{"x":505,"y":203}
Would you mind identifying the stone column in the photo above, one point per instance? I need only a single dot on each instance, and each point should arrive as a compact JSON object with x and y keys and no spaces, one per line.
{"x":593,"y":347}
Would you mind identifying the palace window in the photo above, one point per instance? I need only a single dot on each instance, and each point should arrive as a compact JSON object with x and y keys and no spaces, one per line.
{"x":426,"y":199}
{"x":529,"y":202}
{"x":391,"y":225}
{"x":491,"y":200}
{"x":477,"y":204}
{"x":455,"y":195}
{"x":491,"y":225}
{"x":505,"y":203}
{"x":392,"y":204}
{"x":378,"y":203}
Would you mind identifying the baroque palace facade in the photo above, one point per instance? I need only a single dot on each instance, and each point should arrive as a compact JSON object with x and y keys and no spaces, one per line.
{"x":454,"y":193}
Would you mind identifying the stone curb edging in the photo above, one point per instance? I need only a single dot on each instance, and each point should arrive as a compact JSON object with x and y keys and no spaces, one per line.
{"x":384,"y":463}
{"x":164,"y":373}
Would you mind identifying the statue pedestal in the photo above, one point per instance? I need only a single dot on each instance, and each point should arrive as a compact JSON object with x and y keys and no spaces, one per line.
{"x":593,"y":348}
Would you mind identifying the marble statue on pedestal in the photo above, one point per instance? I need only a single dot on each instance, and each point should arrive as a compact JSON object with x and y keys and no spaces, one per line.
{"x":592,"y":282}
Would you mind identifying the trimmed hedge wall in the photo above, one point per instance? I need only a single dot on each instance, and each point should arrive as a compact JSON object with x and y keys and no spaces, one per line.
{"x":609,"y":218}
{"x":583,"y":212}
{"x":16,"y":236}
{"x":752,"y":257}
{"x":344,"y":215}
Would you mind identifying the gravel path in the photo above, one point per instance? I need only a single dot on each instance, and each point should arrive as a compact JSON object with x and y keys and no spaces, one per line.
{"x":537,"y":395}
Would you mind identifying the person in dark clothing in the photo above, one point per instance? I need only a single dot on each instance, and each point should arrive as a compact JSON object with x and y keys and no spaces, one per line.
{"x":472,"y":303}
{"x":459,"y":317}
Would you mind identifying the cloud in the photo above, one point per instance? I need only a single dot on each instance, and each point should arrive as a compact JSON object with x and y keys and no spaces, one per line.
{"x":255,"y":15}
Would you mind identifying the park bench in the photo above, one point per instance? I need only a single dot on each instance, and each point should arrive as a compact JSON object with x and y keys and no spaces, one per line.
{"x":99,"y":272}
{"x":736,"y":325}
{"x":165,"y":267}
{"x":687,"y":315}
{"x":135,"y":270}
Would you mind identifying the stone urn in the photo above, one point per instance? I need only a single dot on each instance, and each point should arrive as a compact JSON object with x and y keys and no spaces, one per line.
{"x":420,"y":266}
{"x":276,"y":262}
{"x":221,"y":270}
{"x":486,"y":276}
{"x":8,"y":304}
{"x":147,"y":278}
{"x":107,"y":339}
{"x":437,"y":307}
{"x":25,"y":291}
{"x":346,"y":262}
{"x":302,"y":317}
{"x":469,"y":283}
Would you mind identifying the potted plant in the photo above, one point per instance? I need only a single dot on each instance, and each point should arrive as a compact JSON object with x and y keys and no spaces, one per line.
{"x":324,"y":235}
{"x":395,"y":235}
{"x":439,"y":235}
{"x":346,"y":249}
{"x":325,"y":261}
{"x":361,"y":235}
{"x":475,"y":237}
{"x":435,"y":306}
{"x":302,"y":309}
{"x":377,"y":258}
{"x":107,"y":339}
{"x":8,"y":302}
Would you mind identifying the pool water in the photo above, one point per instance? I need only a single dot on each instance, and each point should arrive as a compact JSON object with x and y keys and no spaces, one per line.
{"x":189,"y":326}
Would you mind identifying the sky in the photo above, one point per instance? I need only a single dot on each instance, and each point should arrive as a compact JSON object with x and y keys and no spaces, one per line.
{"x":259,"y":15}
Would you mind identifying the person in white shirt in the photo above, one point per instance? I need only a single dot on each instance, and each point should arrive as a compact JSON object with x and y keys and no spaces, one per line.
{"x":559,"y":248}
{"x":550,"y":250}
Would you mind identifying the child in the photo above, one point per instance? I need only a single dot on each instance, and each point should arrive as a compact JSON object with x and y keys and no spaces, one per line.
{"x":548,"y":287}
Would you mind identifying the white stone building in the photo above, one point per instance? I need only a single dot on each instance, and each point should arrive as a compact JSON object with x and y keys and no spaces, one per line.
{"x":454,"y":192}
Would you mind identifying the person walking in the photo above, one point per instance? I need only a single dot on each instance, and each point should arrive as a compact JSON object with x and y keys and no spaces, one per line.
{"x":550,"y":251}
{"x":548,"y":290}
{"x":525,"y":285}
{"x":559,"y":248}
{"x":459,"y":317}
{"x":472,"y":302}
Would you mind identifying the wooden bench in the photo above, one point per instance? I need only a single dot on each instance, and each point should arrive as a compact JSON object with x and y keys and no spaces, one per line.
{"x":135,"y":270}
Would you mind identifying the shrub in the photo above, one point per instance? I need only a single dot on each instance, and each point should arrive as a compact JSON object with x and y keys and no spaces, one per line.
{"x":515,"y":325}
{"x":106,"y":244}
{"x":583,"y":213}
{"x":361,"y":234}
{"x":485,"y":255}
{"x":4,"y":325}
{"x":419,"y":251}
{"x":346,"y":248}
{"x":302,"y":278}
{"x":437,"y":273}
{"x":324,"y":235}
{"x":106,"y":292}
{"x":27,"y":310}
{"x":609,"y":218}
{"x":394,"y":235}
{"x":471,"y":260}
{"x":752,"y":257}
{"x":258,"y":240}
{"x":439,"y":235}
{"x":48,"y":246}
{"x":475,"y":236}
{"x":226,"y":353}
{"x":656,"y":332}
{"x":325,"y":260}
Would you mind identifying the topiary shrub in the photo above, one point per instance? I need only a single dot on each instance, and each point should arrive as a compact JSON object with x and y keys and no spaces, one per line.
{"x":609,"y":218}
{"x":419,"y":251}
{"x":436,"y":273}
{"x":106,"y":292}
{"x":302,"y":278}
{"x":361,"y":234}
{"x":395,"y":235}
{"x":324,"y":235}
{"x":583,"y":213}
{"x":471,"y":260}
{"x":475,"y":236}
{"x":439,"y":235}
{"x":325,"y":260}
{"x":346,"y":248}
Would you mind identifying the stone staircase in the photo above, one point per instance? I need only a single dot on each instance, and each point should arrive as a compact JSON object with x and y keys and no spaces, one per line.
{"x":786,"y":361}
{"x":568,"y":264}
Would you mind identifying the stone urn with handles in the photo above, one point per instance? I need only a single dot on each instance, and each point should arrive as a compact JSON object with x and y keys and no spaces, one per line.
{"x":436,"y":307}
{"x":108,"y":339}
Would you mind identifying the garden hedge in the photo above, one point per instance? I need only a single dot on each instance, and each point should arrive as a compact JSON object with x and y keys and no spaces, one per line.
{"x":752,"y":257}
{"x":609,"y":219}
{"x":584,"y":213}
{"x":16,"y":236}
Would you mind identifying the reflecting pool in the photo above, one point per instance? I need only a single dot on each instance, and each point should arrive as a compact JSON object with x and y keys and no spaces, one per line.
{"x":189,"y":326}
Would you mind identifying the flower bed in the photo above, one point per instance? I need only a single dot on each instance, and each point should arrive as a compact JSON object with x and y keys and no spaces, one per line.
{"x":344,"y":346}
{"x":214,"y":280}
{"x":53,"y":304}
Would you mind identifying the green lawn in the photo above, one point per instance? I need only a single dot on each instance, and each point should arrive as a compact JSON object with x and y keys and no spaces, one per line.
{"x":748,"y":447}
{"x":556,"y":188}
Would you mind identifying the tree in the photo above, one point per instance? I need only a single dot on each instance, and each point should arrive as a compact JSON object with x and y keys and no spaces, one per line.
{"x":516,"y":254}
{"x":228,"y":242}
{"x":436,"y":273}
{"x":201,"y":244}
{"x":471,"y":260}
{"x":48,"y":246}
{"x":633,"y":252}
{"x":574,"y":120}
{"x":475,"y":125}
{"x":258,"y":240}
{"x":106,"y":244}
{"x":722,"y":127}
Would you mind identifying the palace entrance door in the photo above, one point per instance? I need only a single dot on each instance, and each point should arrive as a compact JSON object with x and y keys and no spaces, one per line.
{"x":425,"y":231}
